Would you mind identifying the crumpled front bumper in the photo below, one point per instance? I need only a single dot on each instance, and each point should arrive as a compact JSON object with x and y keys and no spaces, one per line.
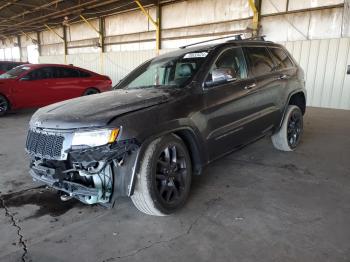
{"x":71,"y":188}
{"x":89,"y":163}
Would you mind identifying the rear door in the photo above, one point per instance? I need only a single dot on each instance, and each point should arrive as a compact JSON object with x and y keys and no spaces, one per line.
{"x":267,"y":92}
{"x":285,"y":73}
{"x":68,"y":83}
{"x":227,"y":103}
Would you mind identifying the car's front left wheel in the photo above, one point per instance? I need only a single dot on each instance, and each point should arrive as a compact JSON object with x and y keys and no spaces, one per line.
{"x":164,"y":179}
{"x":4,"y":105}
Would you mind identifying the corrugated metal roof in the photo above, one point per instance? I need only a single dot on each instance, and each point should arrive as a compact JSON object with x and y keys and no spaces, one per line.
{"x":17,"y":16}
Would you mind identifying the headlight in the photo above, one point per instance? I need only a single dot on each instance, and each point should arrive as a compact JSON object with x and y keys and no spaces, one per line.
{"x":95,"y":137}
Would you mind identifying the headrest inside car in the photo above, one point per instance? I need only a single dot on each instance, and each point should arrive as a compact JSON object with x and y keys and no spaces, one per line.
{"x":185,"y":70}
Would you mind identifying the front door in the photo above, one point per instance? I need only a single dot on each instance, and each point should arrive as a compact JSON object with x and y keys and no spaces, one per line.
{"x":31,"y":89}
{"x":228,"y":105}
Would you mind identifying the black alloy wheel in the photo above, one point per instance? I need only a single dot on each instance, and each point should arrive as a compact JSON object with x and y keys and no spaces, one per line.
{"x":171,"y":172}
{"x":294,"y":129}
{"x":4,"y":105}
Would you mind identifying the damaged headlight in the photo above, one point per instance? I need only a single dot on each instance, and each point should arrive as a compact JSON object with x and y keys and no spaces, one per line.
{"x":95,"y":137}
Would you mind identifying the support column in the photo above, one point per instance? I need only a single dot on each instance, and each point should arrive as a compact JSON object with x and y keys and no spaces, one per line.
{"x":39,"y":42}
{"x":102,"y":32}
{"x":155,"y":23}
{"x":159,"y":26}
{"x":65,"y":44}
{"x":20,"y":48}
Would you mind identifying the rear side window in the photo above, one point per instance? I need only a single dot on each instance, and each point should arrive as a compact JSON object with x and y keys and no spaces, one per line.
{"x":84,"y":74}
{"x":63,"y":72}
{"x":281,"y":58}
{"x":260,"y":61}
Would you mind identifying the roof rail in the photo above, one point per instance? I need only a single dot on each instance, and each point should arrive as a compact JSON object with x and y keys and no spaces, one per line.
{"x":260,"y":37}
{"x":237,"y":37}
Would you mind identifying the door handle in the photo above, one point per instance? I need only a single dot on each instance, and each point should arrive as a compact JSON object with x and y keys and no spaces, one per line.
{"x":248,"y":87}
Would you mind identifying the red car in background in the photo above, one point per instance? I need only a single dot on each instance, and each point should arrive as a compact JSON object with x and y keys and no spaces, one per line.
{"x":8,"y":65}
{"x":30,"y":85}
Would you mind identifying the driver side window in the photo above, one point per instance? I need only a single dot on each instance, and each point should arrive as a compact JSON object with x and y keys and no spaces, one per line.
{"x":229,"y":66}
{"x":39,"y":74}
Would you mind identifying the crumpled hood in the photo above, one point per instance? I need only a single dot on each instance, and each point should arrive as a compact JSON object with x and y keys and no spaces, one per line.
{"x":97,"y":110}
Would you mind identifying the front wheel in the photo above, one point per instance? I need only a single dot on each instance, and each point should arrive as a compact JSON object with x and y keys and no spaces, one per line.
{"x":91,"y":91}
{"x":4,"y":105}
{"x":164,"y":179}
{"x":288,"y":137}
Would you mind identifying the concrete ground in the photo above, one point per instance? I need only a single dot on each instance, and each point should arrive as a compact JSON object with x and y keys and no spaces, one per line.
{"x":257,"y":204}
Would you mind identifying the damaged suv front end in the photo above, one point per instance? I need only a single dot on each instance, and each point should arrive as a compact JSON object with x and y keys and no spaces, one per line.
{"x":80,"y":163}
{"x":85,"y":153}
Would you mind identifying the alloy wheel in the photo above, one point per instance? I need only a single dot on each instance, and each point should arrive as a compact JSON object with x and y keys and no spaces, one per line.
{"x":3,"y":105}
{"x":294,"y":129}
{"x":171,"y":172}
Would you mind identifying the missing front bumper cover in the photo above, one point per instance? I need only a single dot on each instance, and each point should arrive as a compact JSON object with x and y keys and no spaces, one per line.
{"x":90,"y":174}
{"x":71,"y":188}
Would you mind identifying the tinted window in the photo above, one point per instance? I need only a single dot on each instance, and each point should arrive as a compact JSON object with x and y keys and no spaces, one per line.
{"x":260,"y":60}
{"x":167,"y":71}
{"x":83,"y":73}
{"x":42,"y":73}
{"x":63,"y":72}
{"x":15,"y":72}
{"x":281,"y":58}
{"x":232,"y":63}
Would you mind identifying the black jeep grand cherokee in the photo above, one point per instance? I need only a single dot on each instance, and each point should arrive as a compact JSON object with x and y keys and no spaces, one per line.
{"x":165,"y":121}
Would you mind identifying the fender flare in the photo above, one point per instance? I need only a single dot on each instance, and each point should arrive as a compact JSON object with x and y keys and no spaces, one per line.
{"x":287,"y":103}
{"x":142,"y":149}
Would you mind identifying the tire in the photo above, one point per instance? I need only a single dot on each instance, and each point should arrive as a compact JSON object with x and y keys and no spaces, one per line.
{"x":289,"y":135}
{"x":4,"y":105}
{"x":91,"y":91}
{"x":159,"y":174}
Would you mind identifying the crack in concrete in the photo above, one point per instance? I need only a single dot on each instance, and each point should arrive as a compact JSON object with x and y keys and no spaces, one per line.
{"x":135,"y":252}
{"x":21,"y":240}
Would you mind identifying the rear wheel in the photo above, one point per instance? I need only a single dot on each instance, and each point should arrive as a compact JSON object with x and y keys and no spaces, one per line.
{"x":4,"y":105}
{"x":91,"y":91}
{"x":288,"y":137}
{"x":164,"y":180}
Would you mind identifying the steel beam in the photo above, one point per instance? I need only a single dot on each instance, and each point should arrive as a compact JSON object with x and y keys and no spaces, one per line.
{"x":156,"y":22}
{"x":255,"y":17}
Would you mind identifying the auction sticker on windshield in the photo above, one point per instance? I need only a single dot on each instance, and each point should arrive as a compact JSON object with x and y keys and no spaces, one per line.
{"x":195,"y":55}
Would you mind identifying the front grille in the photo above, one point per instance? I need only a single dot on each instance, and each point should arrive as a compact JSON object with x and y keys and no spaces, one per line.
{"x":45,"y":145}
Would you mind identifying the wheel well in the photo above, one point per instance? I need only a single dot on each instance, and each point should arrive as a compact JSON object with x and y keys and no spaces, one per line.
{"x":299,"y":100}
{"x":190,"y":141}
{"x":8,"y":100}
{"x":92,"y":88}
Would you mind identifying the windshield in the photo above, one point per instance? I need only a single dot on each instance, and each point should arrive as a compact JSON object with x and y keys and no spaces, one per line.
{"x":167,"y":72}
{"x":15,"y":72}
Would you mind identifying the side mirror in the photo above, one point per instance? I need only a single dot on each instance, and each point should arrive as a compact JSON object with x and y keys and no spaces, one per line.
{"x":348,"y":70}
{"x":221,"y":76}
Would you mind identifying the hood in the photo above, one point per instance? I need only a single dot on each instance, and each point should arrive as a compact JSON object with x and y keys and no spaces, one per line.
{"x":97,"y":110}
